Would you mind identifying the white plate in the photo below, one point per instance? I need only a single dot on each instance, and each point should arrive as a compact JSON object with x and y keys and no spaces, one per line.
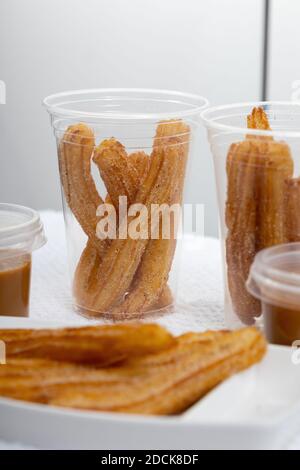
{"x":257,"y":409}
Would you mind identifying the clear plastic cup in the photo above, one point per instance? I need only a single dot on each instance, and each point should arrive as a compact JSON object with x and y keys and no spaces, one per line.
{"x":21,"y":233}
{"x":133,"y":144}
{"x":275,"y":281}
{"x":258,"y":190}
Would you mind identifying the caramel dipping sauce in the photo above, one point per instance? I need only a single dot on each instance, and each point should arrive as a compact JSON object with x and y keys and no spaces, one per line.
{"x":282,"y":313}
{"x":275,"y":280}
{"x":15,"y":274}
{"x":281,"y":325}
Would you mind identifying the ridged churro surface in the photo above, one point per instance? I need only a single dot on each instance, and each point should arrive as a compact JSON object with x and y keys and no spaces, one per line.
{"x":124,"y":277}
{"x":100,"y":345}
{"x":164,"y":380}
{"x":293,"y":209}
{"x":259,"y":174}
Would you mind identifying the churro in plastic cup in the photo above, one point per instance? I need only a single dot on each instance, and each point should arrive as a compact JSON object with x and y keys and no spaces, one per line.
{"x":123,"y":155}
{"x":256,"y":152}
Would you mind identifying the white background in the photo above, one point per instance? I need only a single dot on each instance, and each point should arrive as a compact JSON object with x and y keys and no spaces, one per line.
{"x":284,"y":50}
{"x":209,"y":47}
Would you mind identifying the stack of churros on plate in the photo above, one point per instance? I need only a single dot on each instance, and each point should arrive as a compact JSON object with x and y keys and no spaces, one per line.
{"x":123,"y":277}
{"x":262,"y":207}
{"x":130,"y":368}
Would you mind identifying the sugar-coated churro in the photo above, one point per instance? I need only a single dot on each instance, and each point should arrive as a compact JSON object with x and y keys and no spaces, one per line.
{"x":256,"y":217}
{"x":259,"y":120}
{"x":241,"y":219}
{"x":120,"y":178}
{"x":165,"y":382}
{"x":124,"y":276}
{"x":100,"y":345}
{"x":293,"y":209}
{"x":116,"y":271}
{"x":141,"y":162}
{"x":75,"y":153}
{"x":276,"y":168}
{"x":122,"y":175}
{"x":156,"y":263}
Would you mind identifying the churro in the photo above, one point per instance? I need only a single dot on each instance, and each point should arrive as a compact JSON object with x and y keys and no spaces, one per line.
{"x":293,"y":209}
{"x":276,"y":168}
{"x":161,"y":383}
{"x":256,"y":215}
{"x":124,"y":276}
{"x":118,"y":174}
{"x":122,"y":175}
{"x":259,"y":120}
{"x":75,"y":153}
{"x":101,"y":345}
{"x":116,"y":271}
{"x":141,"y":162}
{"x":241,"y":220}
{"x":155,"y":266}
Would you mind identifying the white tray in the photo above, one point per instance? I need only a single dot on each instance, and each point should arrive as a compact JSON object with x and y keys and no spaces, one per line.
{"x":257,"y":409}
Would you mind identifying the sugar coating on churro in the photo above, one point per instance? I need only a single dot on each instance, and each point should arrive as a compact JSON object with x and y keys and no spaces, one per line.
{"x":129,"y":276}
{"x":156,"y":263}
{"x":120,"y":174}
{"x":75,"y":153}
{"x":167,"y":379}
{"x":100,"y":345}
{"x":293,"y":209}
{"x":256,"y":208}
{"x":119,"y":177}
{"x":258,"y":120}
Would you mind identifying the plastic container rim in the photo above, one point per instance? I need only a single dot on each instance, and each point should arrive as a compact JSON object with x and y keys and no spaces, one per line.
{"x":28,"y":234}
{"x":210,"y":122}
{"x":263,"y":275}
{"x":198,"y":103}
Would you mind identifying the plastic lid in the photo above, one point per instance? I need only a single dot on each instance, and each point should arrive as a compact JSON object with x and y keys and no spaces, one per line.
{"x":275,"y":276}
{"x":21,"y":229}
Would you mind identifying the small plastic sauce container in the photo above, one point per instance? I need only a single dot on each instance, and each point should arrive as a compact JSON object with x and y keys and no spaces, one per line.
{"x":21,"y":232}
{"x":275,"y":280}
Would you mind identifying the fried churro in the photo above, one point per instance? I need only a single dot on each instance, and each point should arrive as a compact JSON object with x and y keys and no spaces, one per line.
{"x":277,"y":167}
{"x":122,"y":174}
{"x":116,"y":273}
{"x":122,"y":259}
{"x":75,"y":153}
{"x":141,"y":162}
{"x":124,"y":276}
{"x":241,"y":220}
{"x":256,"y":216}
{"x":96,"y":344}
{"x":155,"y":266}
{"x":165,"y":382}
{"x":259,"y":120}
{"x":121,"y":178}
{"x":293,"y":209}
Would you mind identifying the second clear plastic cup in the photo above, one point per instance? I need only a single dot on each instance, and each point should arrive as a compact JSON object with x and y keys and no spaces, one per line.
{"x":256,"y":152}
{"x":123,"y":155}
